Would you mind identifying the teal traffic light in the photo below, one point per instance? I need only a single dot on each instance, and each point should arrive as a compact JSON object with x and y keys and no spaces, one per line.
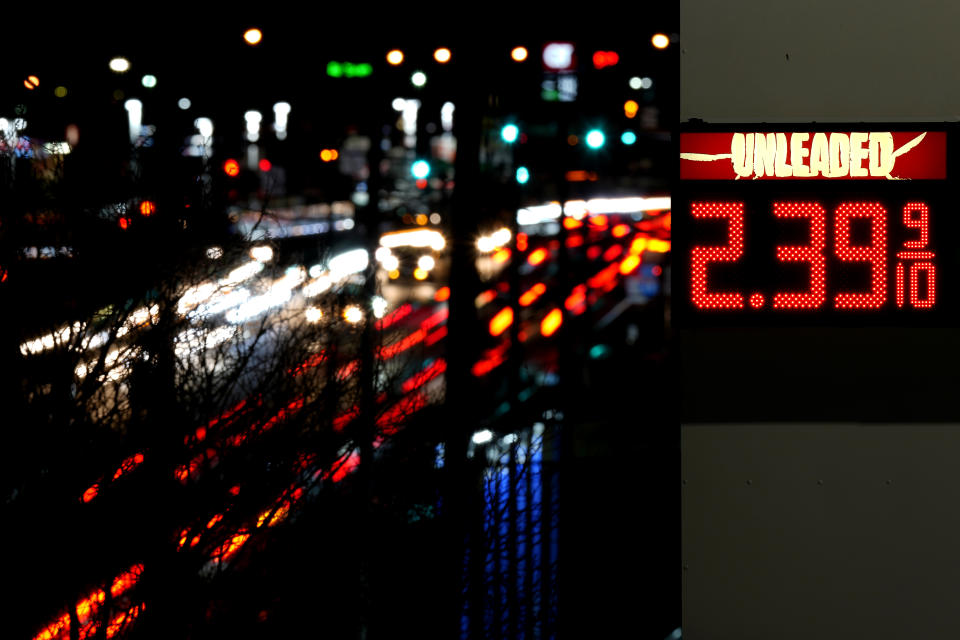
{"x":523,"y":175}
{"x":595,"y":138}
{"x":420,"y":169}
{"x":628,"y":137}
{"x":510,"y":133}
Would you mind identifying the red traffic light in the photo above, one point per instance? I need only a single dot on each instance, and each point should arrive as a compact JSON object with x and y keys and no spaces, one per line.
{"x":603,"y":59}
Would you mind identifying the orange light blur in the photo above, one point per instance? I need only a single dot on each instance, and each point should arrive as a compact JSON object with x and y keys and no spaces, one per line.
{"x":530,"y":295}
{"x":501,"y":256}
{"x":521,"y":241}
{"x":329,"y":155}
{"x":572,"y":140}
{"x":572,"y":223}
{"x":147,"y":207}
{"x":630,"y":108}
{"x":442,"y":294}
{"x":214,"y":520}
{"x":551,"y":322}
{"x":578,"y":175}
{"x":660,"y":41}
{"x":537,"y":256}
{"x":576,"y":298}
{"x":395,"y":57}
{"x":442,"y":55}
{"x":519,"y":54}
{"x":620,"y":230}
{"x":486,"y":297}
{"x":124,"y":222}
{"x":229,"y":548}
{"x":253,"y":36}
{"x":91,"y":493}
{"x":501,"y":322}
{"x":639,"y":245}
{"x":629,"y":264}
{"x":598,"y":221}
{"x":612,"y":252}
{"x":126,"y":580}
{"x":231,"y":167}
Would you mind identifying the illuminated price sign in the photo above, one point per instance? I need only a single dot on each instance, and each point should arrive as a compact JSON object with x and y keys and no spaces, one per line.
{"x":815,"y":226}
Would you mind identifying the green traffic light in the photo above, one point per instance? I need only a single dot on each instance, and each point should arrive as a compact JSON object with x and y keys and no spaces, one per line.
{"x":595,"y":138}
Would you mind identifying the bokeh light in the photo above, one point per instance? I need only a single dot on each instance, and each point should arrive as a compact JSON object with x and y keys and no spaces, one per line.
{"x":660,"y":41}
{"x":419,"y":78}
{"x":119,"y":65}
{"x":231,"y":167}
{"x":519,"y":54}
{"x":149,"y":81}
{"x":253,"y":36}
{"x":442,"y":55}
{"x":395,"y":57}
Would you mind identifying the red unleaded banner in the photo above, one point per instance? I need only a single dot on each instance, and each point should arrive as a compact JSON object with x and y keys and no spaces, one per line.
{"x":835,"y":155}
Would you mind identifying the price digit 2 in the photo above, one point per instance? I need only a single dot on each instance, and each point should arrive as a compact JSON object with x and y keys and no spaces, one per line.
{"x":701,"y":257}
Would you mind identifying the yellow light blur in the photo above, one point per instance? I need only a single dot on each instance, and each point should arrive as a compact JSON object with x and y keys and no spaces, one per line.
{"x":421,"y":219}
{"x":500,"y":322}
{"x":519,"y":54}
{"x":394,"y":274}
{"x":60,"y":92}
{"x":253,"y":36}
{"x":395,"y":57}
{"x":660,"y":41}
{"x":313,"y":314}
{"x":551,"y":322}
{"x":420,"y":274}
{"x":630,"y":108}
{"x":442,"y":55}
{"x":34,"y":80}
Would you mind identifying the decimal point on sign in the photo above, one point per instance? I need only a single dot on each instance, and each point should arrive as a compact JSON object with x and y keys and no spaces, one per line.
{"x":757,"y":300}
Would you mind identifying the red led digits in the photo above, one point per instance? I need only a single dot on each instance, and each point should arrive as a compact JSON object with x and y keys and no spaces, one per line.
{"x":921,"y":222}
{"x":875,"y":253}
{"x":703,"y":256}
{"x":813,"y":254}
{"x":926,"y":266}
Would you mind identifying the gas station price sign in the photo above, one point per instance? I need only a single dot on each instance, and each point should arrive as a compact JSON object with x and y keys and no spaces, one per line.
{"x":836,"y":225}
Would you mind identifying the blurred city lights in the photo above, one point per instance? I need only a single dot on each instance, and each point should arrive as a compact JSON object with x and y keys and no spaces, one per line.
{"x":253,"y":36}
{"x":572,"y":140}
{"x":329,"y":155}
{"x":264,"y":165}
{"x":630,"y":108}
{"x":398,"y":104}
{"x":313,"y":314}
{"x":419,"y":78}
{"x":509,"y":133}
{"x":134,"y":117}
{"x":435,"y":218}
{"x":595,"y":138}
{"x":253,"y":119}
{"x":646,"y":83}
{"x":204,"y":126}
{"x":635,"y":82}
{"x":628,"y":137}
{"x":183,"y":103}
{"x":446,"y":115}
{"x":379,"y":306}
{"x":119,"y":65}
{"x":420,"y":169}
{"x":523,"y":175}
{"x":660,"y":41}
{"x":149,"y":81}
{"x":395,"y":57}
{"x":147,"y":207}
{"x":414,"y":238}
{"x":519,"y":54}
{"x":352,"y":314}
{"x":262,"y":253}
{"x":482,"y":437}
{"x":426,"y":263}
{"x":32,"y":82}
{"x":231,"y":167}
{"x":60,"y":91}
{"x":420,"y":274}
{"x":281,"y":112}
{"x":442,"y":55}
